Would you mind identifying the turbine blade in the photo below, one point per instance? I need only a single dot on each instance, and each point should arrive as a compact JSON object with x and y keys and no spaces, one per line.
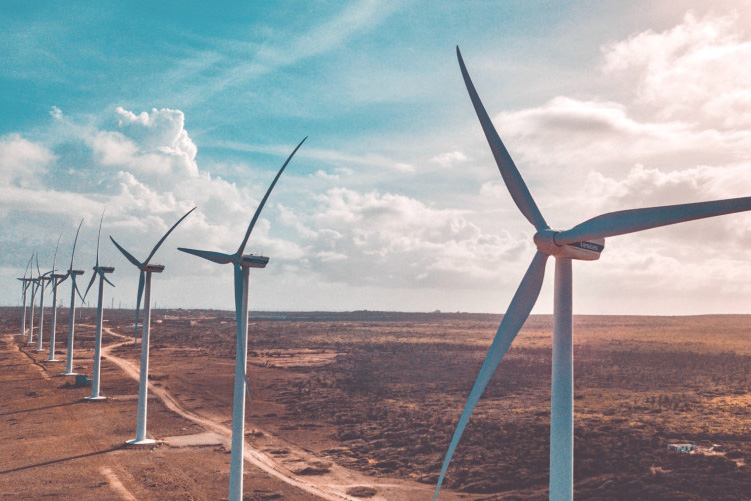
{"x":629,"y":221}
{"x":28,"y":266}
{"x":263,"y":200}
{"x":39,"y":272}
{"x":104,"y":277}
{"x":54,"y":259}
{"x":75,"y":241}
{"x":73,"y":277}
{"x":98,"y":236}
{"x":141,"y":280}
{"x":127,"y":254}
{"x":153,"y":251}
{"x":512,"y":178}
{"x":247,"y":387}
{"x":93,"y":277}
{"x":516,"y":315}
{"x":216,"y":257}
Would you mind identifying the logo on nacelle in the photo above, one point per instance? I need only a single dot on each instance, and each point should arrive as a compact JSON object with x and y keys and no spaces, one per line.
{"x":590,"y":246}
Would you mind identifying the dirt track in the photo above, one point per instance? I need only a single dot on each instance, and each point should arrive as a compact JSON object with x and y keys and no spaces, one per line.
{"x":332,"y":485}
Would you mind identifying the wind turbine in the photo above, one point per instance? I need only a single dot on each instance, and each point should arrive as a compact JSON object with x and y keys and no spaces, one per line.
{"x":72,"y":321}
{"x":55,"y":280}
{"x":44,"y":279}
{"x":34,"y":287}
{"x":145,"y":280}
{"x":242,"y":264}
{"x":25,"y":282}
{"x":101,"y":271}
{"x":584,"y":241}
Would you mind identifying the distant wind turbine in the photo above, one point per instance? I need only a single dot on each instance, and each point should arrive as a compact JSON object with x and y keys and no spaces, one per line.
{"x":25,"y":283}
{"x":55,"y":280}
{"x":101,"y":271}
{"x":34,"y":287}
{"x":145,"y":279}
{"x":584,"y":241}
{"x":72,"y":320}
{"x":242,"y":264}
{"x":44,"y":279}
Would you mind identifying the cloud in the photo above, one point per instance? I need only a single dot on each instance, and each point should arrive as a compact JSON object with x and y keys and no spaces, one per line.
{"x":56,"y":113}
{"x":22,"y":162}
{"x":391,"y":240}
{"x":696,"y":69}
{"x":449,"y":159}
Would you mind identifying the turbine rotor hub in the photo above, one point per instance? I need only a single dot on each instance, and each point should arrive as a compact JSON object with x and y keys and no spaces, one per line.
{"x":583,"y":251}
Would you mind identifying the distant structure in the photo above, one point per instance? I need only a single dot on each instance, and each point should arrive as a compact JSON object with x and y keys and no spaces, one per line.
{"x":100,"y":271}
{"x":242,"y":264}
{"x":72,"y":273}
{"x":683,"y":448}
{"x":145,"y":279}
{"x":582,"y":242}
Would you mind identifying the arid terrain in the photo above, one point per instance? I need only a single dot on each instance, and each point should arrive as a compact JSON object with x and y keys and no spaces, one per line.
{"x":362,"y":405}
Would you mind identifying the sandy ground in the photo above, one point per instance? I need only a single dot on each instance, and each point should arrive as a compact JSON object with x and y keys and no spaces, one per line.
{"x":55,"y":444}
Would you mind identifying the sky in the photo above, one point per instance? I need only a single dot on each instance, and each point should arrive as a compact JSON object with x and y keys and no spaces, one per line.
{"x":145,"y":110}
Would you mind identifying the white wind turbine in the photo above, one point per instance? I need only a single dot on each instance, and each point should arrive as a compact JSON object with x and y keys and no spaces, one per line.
{"x":25,"y":283}
{"x":34,"y":286}
{"x":145,"y":280}
{"x":584,"y":241}
{"x":72,"y":320}
{"x":242,"y":264}
{"x":44,"y":279}
{"x":101,"y":271}
{"x":55,"y":280}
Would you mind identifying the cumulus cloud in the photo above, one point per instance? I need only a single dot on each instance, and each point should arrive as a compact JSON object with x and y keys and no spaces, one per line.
{"x":22,"y":162}
{"x":449,"y":159}
{"x":697,"y":68}
{"x":392,"y":240}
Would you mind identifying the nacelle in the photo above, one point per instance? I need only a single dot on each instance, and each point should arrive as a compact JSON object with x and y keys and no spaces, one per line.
{"x":251,"y":261}
{"x":588,"y":250}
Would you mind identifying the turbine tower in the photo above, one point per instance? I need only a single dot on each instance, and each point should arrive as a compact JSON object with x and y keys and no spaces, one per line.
{"x":72,"y":321}
{"x":44,"y":279}
{"x":585,"y":242}
{"x":55,"y":280}
{"x":101,"y":271}
{"x":145,"y":280}
{"x":25,"y":283}
{"x":242,"y":264}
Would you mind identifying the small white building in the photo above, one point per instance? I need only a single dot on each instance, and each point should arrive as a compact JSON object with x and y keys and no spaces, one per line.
{"x":683,"y":448}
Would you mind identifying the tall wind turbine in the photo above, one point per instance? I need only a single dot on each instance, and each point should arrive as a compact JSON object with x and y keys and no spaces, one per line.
{"x":145,"y":281}
{"x":72,"y":320}
{"x":44,"y":279}
{"x":101,"y":271}
{"x":25,"y":283}
{"x":242,"y":264}
{"x":585,"y":242}
{"x":55,"y":280}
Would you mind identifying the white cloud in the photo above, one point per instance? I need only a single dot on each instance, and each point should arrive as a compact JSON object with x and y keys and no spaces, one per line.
{"x":391,"y":240}
{"x":696,"y":69}
{"x":22,"y":162}
{"x":449,"y":159}
{"x":56,"y":113}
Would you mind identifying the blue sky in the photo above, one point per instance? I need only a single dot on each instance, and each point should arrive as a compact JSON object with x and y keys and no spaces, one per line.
{"x":394,"y":202}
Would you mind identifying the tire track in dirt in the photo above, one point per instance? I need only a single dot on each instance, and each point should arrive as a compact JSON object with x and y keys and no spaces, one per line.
{"x":331,"y":486}
{"x":116,"y":485}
